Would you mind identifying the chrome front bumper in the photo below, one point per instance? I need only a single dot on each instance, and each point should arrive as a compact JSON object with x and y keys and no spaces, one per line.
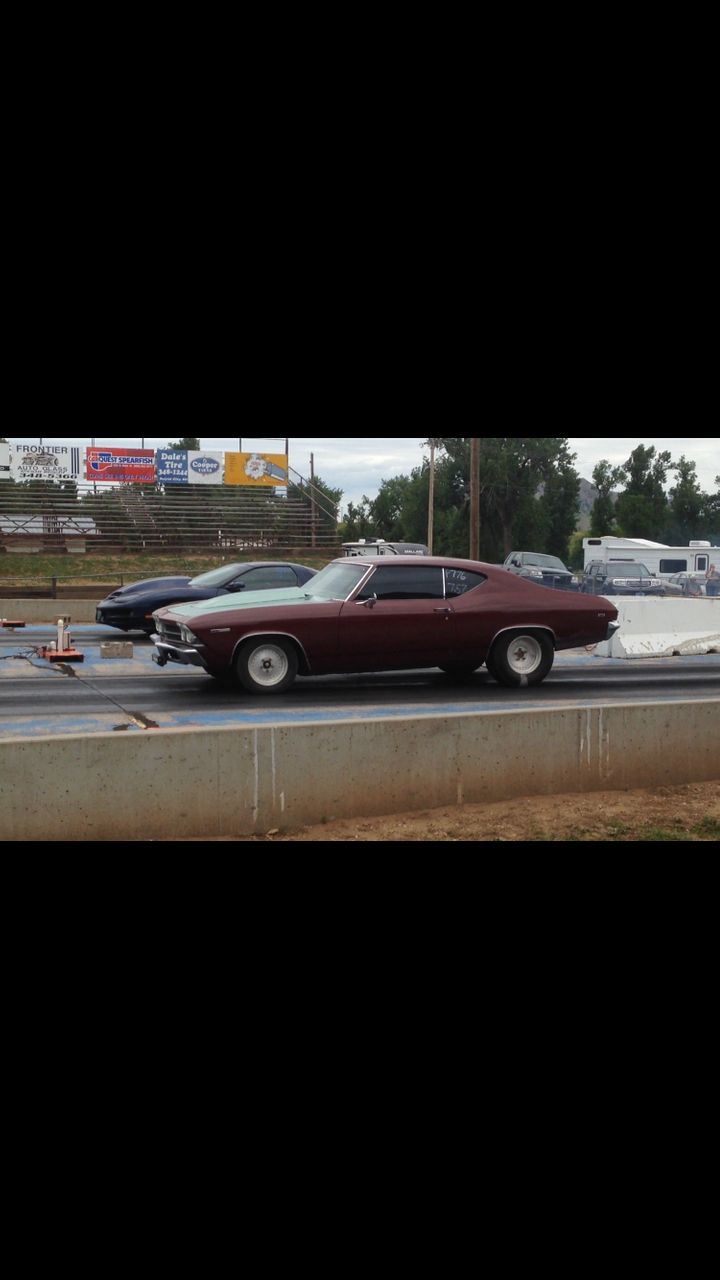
{"x":166,"y":652}
{"x":612,"y":630}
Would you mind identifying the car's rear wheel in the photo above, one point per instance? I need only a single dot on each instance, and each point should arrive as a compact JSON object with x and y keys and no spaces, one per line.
{"x":267,"y":666}
{"x":520,"y":659}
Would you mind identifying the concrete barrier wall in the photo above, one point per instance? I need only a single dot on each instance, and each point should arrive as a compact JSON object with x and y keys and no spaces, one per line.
{"x":36,"y":611}
{"x":141,"y":786}
{"x":658,"y":628}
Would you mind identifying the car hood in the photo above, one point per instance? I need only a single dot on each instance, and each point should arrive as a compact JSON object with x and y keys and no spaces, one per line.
{"x":150,"y":584}
{"x":244,"y":600}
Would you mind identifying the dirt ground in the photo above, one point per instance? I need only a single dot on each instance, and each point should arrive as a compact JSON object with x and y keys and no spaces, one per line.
{"x":653,"y":814}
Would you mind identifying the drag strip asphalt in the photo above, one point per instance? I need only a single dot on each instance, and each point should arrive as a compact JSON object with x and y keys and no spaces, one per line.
{"x":99,"y":695}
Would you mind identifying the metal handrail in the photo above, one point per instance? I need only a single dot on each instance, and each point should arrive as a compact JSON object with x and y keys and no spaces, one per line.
{"x":306,"y":485}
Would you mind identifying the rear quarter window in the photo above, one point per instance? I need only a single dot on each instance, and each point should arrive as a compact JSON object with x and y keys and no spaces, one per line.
{"x":459,"y":581}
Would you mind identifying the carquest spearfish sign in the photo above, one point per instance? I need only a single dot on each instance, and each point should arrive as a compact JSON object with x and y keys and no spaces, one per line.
{"x":120,"y":466}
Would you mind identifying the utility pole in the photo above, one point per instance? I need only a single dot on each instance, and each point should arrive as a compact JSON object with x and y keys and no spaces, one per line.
{"x":474,"y":498}
{"x":313,"y":505}
{"x":431,"y":511}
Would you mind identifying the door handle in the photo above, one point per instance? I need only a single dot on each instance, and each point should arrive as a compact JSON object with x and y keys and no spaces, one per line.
{"x":446,"y":612}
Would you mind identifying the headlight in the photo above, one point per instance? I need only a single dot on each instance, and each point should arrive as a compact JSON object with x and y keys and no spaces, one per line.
{"x":187,"y":636}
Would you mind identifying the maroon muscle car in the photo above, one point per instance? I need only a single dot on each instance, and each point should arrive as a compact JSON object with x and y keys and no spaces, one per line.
{"x":382,"y":615}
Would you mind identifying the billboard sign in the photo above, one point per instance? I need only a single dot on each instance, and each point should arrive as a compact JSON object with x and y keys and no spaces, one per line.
{"x":4,"y":461}
{"x":181,"y":466}
{"x":44,"y":461}
{"x":120,"y":466}
{"x":269,"y":470}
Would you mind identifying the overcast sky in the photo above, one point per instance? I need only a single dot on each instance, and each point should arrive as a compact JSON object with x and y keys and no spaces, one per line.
{"x":358,"y":466}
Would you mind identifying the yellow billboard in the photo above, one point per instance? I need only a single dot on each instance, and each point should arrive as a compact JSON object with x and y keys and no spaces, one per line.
{"x":268,"y":469}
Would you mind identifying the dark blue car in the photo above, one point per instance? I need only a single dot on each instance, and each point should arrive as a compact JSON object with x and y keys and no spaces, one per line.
{"x":131,"y":608}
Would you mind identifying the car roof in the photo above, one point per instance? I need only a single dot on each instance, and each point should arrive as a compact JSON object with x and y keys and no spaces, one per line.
{"x":258,"y":564}
{"x":422,"y":562}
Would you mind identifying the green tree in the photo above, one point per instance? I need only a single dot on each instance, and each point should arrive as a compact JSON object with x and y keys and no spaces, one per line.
{"x":325,"y":498}
{"x":393,"y":509}
{"x":560,"y":506}
{"x":514,"y":511}
{"x":358,"y":522}
{"x":512,"y":471}
{"x":711,"y":513}
{"x":688,"y":505}
{"x":191,"y":443}
{"x":603,"y":519}
{"x":642,"y":509}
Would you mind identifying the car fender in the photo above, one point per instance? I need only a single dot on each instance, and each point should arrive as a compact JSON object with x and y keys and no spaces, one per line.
{"x":525,"y":626}
{"x":283,"y":635}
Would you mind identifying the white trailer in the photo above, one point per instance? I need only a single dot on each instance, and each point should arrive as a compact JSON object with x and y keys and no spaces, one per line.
{"x":662,"y":561}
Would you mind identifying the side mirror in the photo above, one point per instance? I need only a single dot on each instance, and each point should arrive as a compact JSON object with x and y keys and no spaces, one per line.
{"x":369,"y":604}
{"x":237,"y":586}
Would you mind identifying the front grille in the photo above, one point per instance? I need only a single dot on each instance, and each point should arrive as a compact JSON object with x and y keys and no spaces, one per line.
{"x":170,"y":631}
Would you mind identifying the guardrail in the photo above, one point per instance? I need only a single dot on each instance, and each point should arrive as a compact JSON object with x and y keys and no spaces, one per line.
{"x":663,"y":628}
{"x":230,"y":782}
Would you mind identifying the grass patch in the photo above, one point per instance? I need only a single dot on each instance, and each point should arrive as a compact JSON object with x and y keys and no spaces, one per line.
{"x":135,"y":566}
{"x":708,"y":828}
{"x":656,"y":834}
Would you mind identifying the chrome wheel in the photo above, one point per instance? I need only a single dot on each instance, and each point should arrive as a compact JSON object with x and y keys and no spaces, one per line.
{"x":268,"y":666}
{"x":524,"y":655}
{"x":520,"y":660}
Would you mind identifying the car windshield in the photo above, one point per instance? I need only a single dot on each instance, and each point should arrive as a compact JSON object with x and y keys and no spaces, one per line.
{"x":544,"y":562}
{"x":336,"y":582}
{"x":631,"y":571}
{"x":217,"y":577}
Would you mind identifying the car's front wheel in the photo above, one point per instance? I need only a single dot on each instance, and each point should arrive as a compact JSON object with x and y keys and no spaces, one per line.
{"x":521,"y":659}
{"x":267,"y":666}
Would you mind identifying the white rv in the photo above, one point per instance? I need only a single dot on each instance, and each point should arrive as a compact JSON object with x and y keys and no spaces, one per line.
{"x":663,"y":562}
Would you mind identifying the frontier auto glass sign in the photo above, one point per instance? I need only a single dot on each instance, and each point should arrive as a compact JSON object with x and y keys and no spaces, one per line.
{"x":43,"y":461}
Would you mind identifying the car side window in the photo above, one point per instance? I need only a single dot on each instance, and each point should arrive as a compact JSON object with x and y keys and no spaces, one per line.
{"x":264,"y":579}
{"x":411,"y":582}
{"x":459,"y":581}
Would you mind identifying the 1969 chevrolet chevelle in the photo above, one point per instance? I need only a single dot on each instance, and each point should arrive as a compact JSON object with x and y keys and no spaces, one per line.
{"x":382,"y":615}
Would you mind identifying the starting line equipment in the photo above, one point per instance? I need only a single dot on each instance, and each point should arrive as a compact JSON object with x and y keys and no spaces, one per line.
{"x":63,"y":650}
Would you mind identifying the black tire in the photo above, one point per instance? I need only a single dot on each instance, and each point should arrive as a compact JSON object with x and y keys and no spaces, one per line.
{"x":491,"y":667}
{"x":521,"y":659}
{"x":267,"y":666}
{"x":223,"y":677}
